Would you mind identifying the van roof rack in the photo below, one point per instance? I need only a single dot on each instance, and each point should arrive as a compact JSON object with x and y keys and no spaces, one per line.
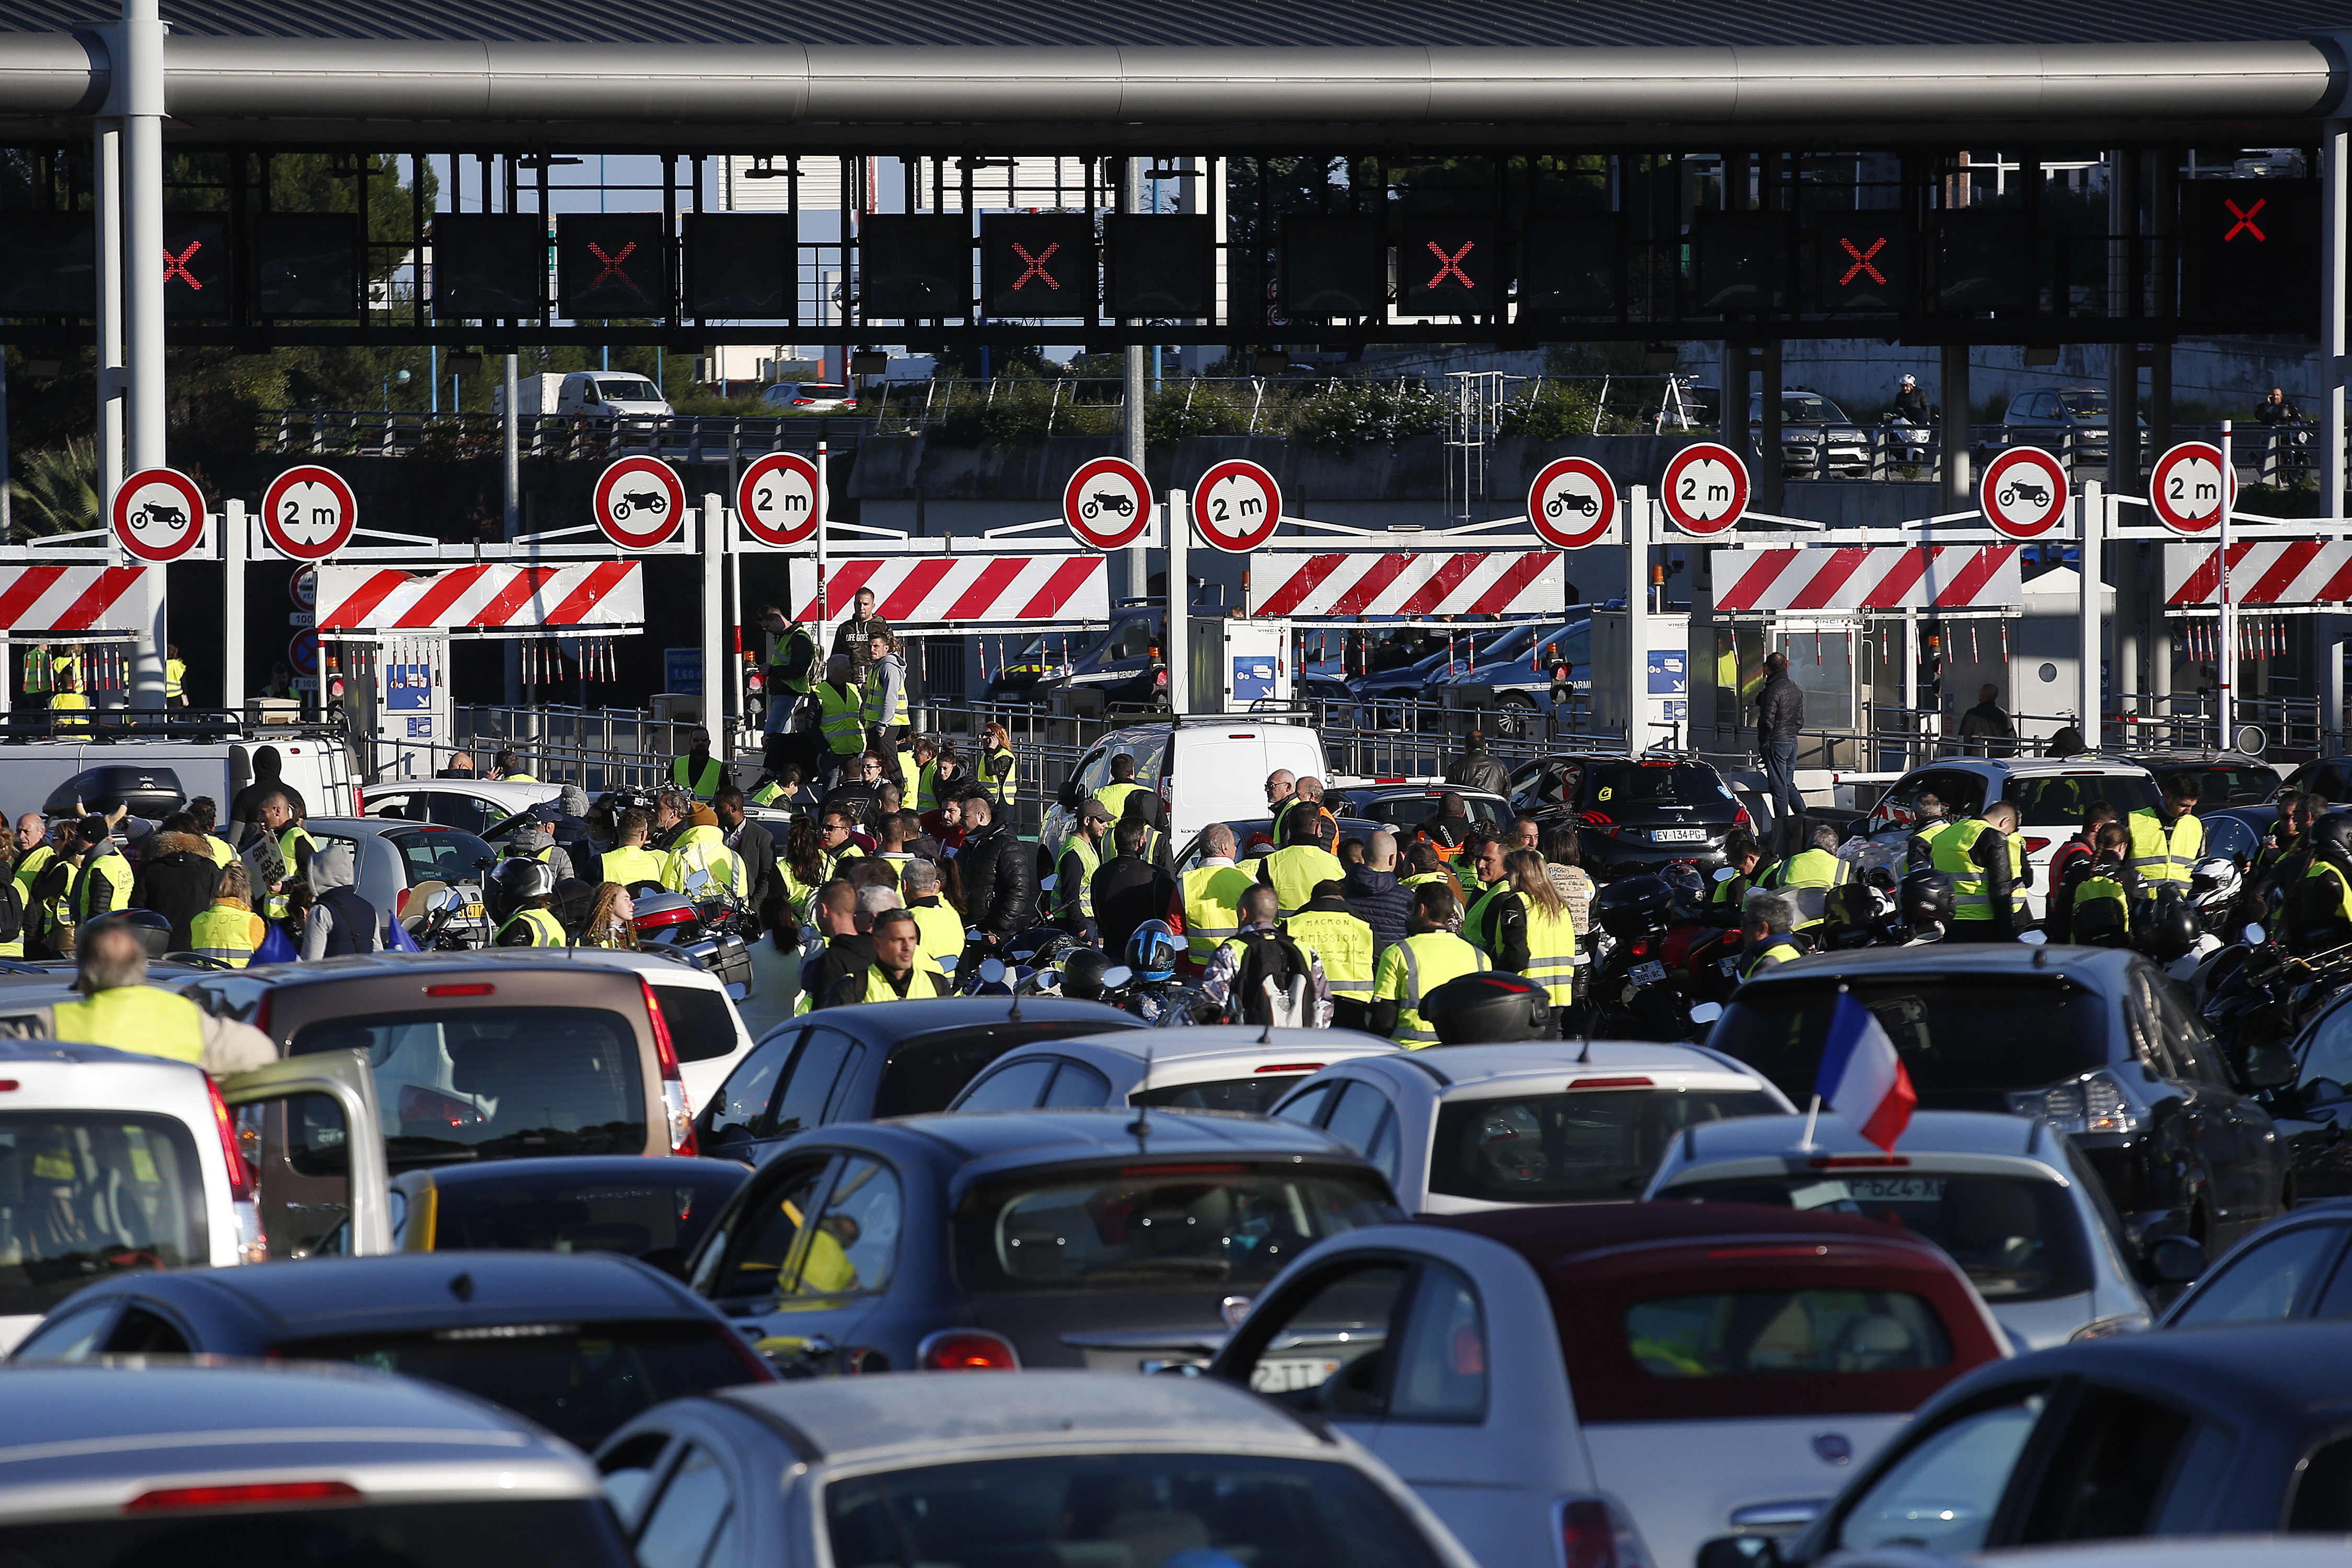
{"x":110,"y":726}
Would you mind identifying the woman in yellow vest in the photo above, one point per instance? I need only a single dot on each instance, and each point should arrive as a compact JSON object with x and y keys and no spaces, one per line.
{"x":841,"y":717}
{"x":999,"y":768}
{"x":801,"y":866}
{"x":229,"y":931}
{"x":175,"y":678}
{"x":527,"y":887}
{"x":1528,"y":929}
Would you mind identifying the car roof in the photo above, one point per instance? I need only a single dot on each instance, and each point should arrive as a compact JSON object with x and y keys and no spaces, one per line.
{"x":842,"y":1417}
{"x":1430,"y":792}
{"x":1547,"y":1234}
{"x":529,"y":793}
{"x":1930,"y":1132}
{"x":1163,"y":1048}
{"x":970,"y":1146}
{"x":2032,"y":767}
{"x":1478,"y":1067}
{"x":583,"y":1169}
{"x":2298,"y":1372}
{"x":2103,"y":966}
{"x":407,"y":1291}
{"x":880,"y":1021}
{"x":70,"y":1053}
{"x":355,"y":965}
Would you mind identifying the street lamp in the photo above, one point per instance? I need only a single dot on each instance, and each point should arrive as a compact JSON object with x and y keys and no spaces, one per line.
{"x":397,"y":378}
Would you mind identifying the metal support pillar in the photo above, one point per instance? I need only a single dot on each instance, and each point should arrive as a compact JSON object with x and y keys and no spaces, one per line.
{"x":141,"y":62}
{"x":106,"y":201}
{"x":234,"y":533}
{"x":511,"y":430}
{"x":714,"y":578}
{"x":1771,"y":481}
{"x":2334,"y":277}
{"x":1178,"y":519}
{"x":2091,"y":529}
{"x":1952,"y":391}
{"x":1640,"y":527}
{"x":1139,"y":569}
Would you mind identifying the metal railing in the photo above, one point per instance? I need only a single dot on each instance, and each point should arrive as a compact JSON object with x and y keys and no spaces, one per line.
{"x":694,"y":437}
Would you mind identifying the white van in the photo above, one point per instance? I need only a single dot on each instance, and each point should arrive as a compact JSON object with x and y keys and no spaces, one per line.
{"x":596,"y":394}
{"x":1211,"y":769}
{"x":155,"y":777}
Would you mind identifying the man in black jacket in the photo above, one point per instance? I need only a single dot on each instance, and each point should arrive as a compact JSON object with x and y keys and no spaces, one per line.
{"x":752,"y":841}
{"x":1779,"y":720}
{"x":178,"y":878}
{"x":1129,"y":890}
{"x":1375,"y":896}
{"x":998,"y":872}
{"x":848,"y":947}
{"x":1480,"y":769}
{"x":244,"y":810}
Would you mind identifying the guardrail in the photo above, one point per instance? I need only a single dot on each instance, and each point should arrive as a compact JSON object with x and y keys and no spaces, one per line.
{"x":694,"y":437}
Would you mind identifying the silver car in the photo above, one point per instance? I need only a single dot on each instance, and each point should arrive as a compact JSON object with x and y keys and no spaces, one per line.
{"x":122,"y":1462}
{"x":1220,"y":1067}
{"x":1037,"y":1468}
{"x":2006,"y":1197}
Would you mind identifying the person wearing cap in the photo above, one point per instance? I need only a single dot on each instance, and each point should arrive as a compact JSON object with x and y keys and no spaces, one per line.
{"x":102,"y":877}
{"x":121,"y":1009}
{"x":1073,"y":873}
{"x":532,"y":840}
{"x":703,"y":848}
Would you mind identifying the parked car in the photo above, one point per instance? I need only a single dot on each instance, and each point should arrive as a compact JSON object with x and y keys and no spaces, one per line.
{"x":401,"y":865}
{"x":1123,"y":664}
{"x":1400,"y":811}
{"x":1622,"y":1380}
{"x":113,"y":1464}
{"x":2096,"y":1040}
{"x":877,"y":1059}
{"x":2201,"y":1434}
{"x":2011,"y":1200}
{"x":1457,"y":1128}
{"x":2070,"y":421}
{"x":2314,"y":1111}
{"x":2291,"y":1268}
{"x":583,"y":1204}
{"x":1817,"y":437}
{"x":2327,"y":776}
{"x":707,"y":1033}
{"x":2184,"y":1552}
{"x":1632,"y":813}
{"x":470,"y":805}
{"x":578,"y":1343}
{"x":810,"y":396}
{"x":1386,"y":693}
{"x":1205,"y":769}
{"x":1512,"y":694}
{"x":2051,"y":797}
{"x":1217,"y":1066}
{"x":1018,"y":1239}
{"x":2223,"y":778}
{"x":1054,"y":1468}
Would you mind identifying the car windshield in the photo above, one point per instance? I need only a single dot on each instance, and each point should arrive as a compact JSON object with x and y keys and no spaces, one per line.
{"x":87,"y":1194}
{"x":2068,"y":797}
{"x":496,"y":1082}
{"x":670,"y":1205}
{"x":2226,"y":784}
{"x":1613,"y":787}
{"x":2085,"y":402}
{"x":1799,"y":408}
{"x":1966,"y":1040}
{"x":1109,"y":1509}
{"x":2017,"y":1238}
{"x":1731,"y":1333}
{"x":1148,"y":1226}
{"x":442,"y":854}
{"x":1061,"y":648}
{"x":576,"y":1531}
{"x":577,"y":1380}
{"x":626,"y":389}
{"x":925,"y":1072}
{"x":1590,"y":1145}
{"x":1410,"y":811}
{"x":1252,"y":1096}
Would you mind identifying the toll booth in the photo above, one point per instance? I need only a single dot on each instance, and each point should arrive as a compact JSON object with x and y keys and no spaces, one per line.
{"x":1238,"y":665}
{"x":1664,"y":721}
{"x":396,"y":693}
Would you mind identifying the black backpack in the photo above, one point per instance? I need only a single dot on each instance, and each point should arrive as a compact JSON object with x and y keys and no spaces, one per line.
{"x":1273,"y":983}
{"x":12,"y":911}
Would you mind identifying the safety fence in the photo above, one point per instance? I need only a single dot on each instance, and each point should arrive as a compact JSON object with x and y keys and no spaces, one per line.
{"x":691,"y":437}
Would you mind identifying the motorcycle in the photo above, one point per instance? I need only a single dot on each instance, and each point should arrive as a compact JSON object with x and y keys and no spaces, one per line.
{"x":1172,"y":1004}
{"x":454,"y":921}
{"x":1646,"y":977}
{"x":710,"y":934}
{"x":2255,"y":999}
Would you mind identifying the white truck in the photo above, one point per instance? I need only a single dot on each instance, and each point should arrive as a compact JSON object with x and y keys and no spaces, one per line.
{"x":599,"y":395}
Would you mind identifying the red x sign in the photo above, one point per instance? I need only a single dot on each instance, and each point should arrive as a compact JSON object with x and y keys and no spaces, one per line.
{"x":1035,"y":266}
{"x":2245,"y":219}
{"x":177,"y":266}
{"x":1452,"y":265}
{"x":1861,"y":260}
{"x":612,"y":271}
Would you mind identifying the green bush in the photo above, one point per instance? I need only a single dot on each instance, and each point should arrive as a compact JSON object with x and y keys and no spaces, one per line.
{"x":1178,"y":410}
{"x":1554,"y":413}
{"x":1357,"y":413}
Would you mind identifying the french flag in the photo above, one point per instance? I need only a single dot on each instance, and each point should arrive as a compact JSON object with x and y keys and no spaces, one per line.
{"x":1862,"y":1078}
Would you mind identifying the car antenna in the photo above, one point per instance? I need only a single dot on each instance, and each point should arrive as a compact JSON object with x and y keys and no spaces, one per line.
{"x":1141,"y":1126}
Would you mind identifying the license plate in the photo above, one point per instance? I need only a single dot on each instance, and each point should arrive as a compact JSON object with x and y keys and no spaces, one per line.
{"x":1679,"y":836}
{"x":473,"y":911}
{"x":1286,"y":1374}
{"x":1648,"y":973}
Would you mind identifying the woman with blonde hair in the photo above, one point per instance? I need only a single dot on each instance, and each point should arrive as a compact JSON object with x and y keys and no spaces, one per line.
{"x":611,"y":920}
{"x":1527,"y":927}
{"x":999,"y":768}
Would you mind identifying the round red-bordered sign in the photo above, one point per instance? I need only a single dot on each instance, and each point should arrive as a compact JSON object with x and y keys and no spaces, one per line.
{"x":1108,"y":503}
{"x":158,"y":514}
{"x":778,"y":498}
{"x":1237,"y":506}
{"x":309,"y":512}
{"x":1573,"y":502}
{"x":2184,"y":489}
{"x":639,"y":503}
{"x":2022,"y":493}
{"x":1705,"y":487}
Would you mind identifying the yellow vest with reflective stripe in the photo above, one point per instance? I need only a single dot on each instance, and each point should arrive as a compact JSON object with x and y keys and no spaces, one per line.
{"x":704,"y":850}
{"x":1012,"y":773}
{"x":926,"y":794}
{"x":1814,"y":869}
{"x":2160,"y":857}
{"x":73,"y":700}
{"x":1971,"y":889}
{"x":101,"y":887}
{"x":940,"y":930}
{"x":1296,"y":871}
{"x":1780,"y":951}
{"x":634,"y":863}
{"x":1552,"y":950}
{"x":1090,"y":855}
{"x":175,"y":676}
{"x":1411,"y":969}
{"x":217,"y":847}
{"x":28,"y":869}
{"x":143,"y":1018}
{"x":841,"y":717}
{"x":546,"y":931}
{"x":1344,"y":943}
{"x":870,"y":701}
{"x":1212,"y":896}
{"x":228,"y":931}
{"x":700,"y":782}
{"x":926,"y":981}
{"x":1114,"y":797}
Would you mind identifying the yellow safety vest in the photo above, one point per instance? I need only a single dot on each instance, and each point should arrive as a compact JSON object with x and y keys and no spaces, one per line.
{"x":925,"y":794}
{"x":1090,"y":855}
{"x":65,"y":701}
{"x":1778,"y":951}
{"x":1551,"y":951}
{"x":546,"y":931}
{"x":228,"y":931}
{"x":175,"y":675}
{"x":841,"y":717}
{"x":1410,"y":969}
{"x":1971,"y":888}
{"x":632,"y":864}
{"x":871,"y":701}
{"x":1344,"y":943}
{"x":114,"y":874}
{"x":143,"y":1018}
{"x":926,"y":981}
{"x":701,"y":786}
{"x":704,"y":850}
{"x":940,"y":930}
{"x":517,"y":778}
{"x":1114,"y":797}
{"x":1474,"y":919}
{"x":1816,"y":869}
{"x":2343,"y":911}
{"x":2092,"y":890}
{"x":28,"y":869}
{"x":217,"y":847}
{"x":2160,"y":857}
{"x":1296,"y":871}
{"x":295,"y":834}
{"x":1012,"y":773}
{"x":1212,"y":896}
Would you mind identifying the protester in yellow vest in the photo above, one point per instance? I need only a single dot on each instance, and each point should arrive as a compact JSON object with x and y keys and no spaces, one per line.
{"x":2167,"y":844}
{"x":1431,"y":954}
{"x":1072,"y":901}
{"x":1206,"y":909}
{"x":999,"y":768}
{"x":1527,"y":929}
{"x":884,"y":698}
{"x":175,"y":677}
{"x":703,"y":848}
{"x":629,"y":862}
{"x":69,"y":709}
{"x":102,"y":881}
{"x":119,"y":1008}
{"x":1305,"y":862}
{"x":841,"y":720}
{"x":900,"y":972}
{"x":1985,"y":858}
{"x":1342,"y":939}
{"x":1122,"y":783}
{"x":1485,"y":859}
{"x":1767,"y":921}
{"x":939,"y":924}
{"x":697,"y":771}
{"x":2098,"y":902}
{"x":229,"y":931}
{"x":1813,"y":872}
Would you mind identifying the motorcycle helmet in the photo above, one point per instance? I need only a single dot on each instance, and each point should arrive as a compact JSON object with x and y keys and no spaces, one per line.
{"x":154,"y":932}
{"x":1081,"y":972}
{"x":1491,"y":1007}
{"x":518,"y":879}
{"x":1635,"y":907}
{"x":1927,"y":898}
{"x":1153,"y":951}
{"x":2334,"y":832}
{"x":2172,"y":930}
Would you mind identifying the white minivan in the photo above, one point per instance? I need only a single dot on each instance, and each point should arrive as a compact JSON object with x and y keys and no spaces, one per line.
{"x":1211,"y":769}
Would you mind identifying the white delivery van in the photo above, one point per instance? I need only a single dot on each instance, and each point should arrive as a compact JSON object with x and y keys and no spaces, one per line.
{"x":598,"y":393}
{"x":48,"y":775}
{"x":1206,"y":769}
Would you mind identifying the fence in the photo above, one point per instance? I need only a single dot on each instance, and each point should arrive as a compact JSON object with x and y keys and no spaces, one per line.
{"x":694,"y":437}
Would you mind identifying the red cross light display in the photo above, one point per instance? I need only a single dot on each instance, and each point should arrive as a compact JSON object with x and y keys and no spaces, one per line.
{"x":613,"y":264}
{"x":1038,"y":264}
{"x":2245,"y":220}
{"x":197,"y":277}
{"x":1447,"y":266}
{"x":1861,"y":262}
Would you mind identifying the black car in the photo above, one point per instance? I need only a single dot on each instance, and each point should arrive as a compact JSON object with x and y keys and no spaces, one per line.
{"x":877,"y":1060}
{"x":2223,"y":778}
{"x":2329,"y":777}
{"x":579,"y":1343}
{"x":1122,"y":663}
{"x":1632,"y":813}
{"x":2243,"y":1431}
{"x":2314,"y":1111}
{"x":582,"y":1203}
{"x":1030,"y":1239}
{"x":2097,"y":1041}
{"x":2293,"y":1268}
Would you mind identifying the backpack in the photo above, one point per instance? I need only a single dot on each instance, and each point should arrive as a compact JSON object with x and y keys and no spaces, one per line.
{"x":12,"y":912}
{"x":1271,"y":983}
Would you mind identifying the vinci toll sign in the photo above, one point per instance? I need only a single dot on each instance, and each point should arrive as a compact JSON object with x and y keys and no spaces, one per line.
{"x":1107,"y":503}
{"x":1704,"y":489}
{"x":1237,"y":506}
{"x":1572,"y":502}
{"x":639,"y":503}
{"x":2023,"y":493}
{"x":309,"y":512}
{"x":777,"y":498}
{"x":2185,"y":489}
{"x":159,"y":514}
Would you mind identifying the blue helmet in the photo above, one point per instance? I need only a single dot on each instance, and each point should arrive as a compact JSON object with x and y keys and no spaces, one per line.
{"x":1152,"y":950}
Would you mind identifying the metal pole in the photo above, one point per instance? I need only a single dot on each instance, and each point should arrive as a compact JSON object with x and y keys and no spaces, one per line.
{"x":2091,"y":529}
{"x":512,"y":441}
{"x":2333,"y":278}
{"x":1138,"y":569}
{"x":714,"y":578}
{"x":106,"y":198}
{"x":235,"y":536}
{"x":142,"y":64}
{"x":1639,"y":525}
{"x":824,"y":505}
{"x":1953,"y":389}
{"x":2227,"y":649}
{"x":1178,"y":519}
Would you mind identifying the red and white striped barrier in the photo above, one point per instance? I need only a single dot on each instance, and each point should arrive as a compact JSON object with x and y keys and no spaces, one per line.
{"x":1406,"y":582}
{"x":2264,"y":572}
{"x":1883,"y":577}
{"x":369,"y":598}
{"x":979,"y":589}
{"x":69,"y":598}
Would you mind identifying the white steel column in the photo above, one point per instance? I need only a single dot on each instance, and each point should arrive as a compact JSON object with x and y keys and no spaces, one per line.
{"x":714,"y":578}
{"x":234,"y":535}
{"x":512,"y":440}
{"x":2091,"y":529}
{"x":2226,"y":627}
{"x":106,"y":199}
{"x":1639,"y":526}
{"x":1178,"y":519}
{"x":1139,"y":569}
{"x":2333,"y":280}
{"x":139,"y":58}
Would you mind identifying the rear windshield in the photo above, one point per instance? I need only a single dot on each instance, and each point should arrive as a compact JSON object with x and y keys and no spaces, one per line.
{"x":671,"y":1205}
{"x":576,"y":1531}
{"x":578,"y":1380}
{"x":1178,"y":1511}
{"x":702,"y":1021}
{"x":2221,"y":784}
{"x":441,"y":854}
{"x":1156,"y":1228}
{"x":87,"y":1194}
{"x":1964,"y":1042}
{"x":2068,"y":796}
{"x":1611,"y":787}
{"x":1590,"y":1145}
{"x":926,"y":1072}
{"x":1253,"y":1096}
{"x":2017,"y":1238}
{"x":1410,"y":811}
{"x":497,"y":1082}
{"x":1735,"y":1333}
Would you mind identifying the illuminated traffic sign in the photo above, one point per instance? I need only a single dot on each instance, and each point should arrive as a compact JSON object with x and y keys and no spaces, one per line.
{"x":1040,"y":265}
{"x":2250,"y":255}
{"x":1863,"y":261}
{"x":1570,"y":263}
{"x":613,"y":264}
{"x":1163,"y":265}
{"x":915,"y":268}
{"x":1745,"y":261}
{"x":1333,"y":265}
{"x":490,"y":267}
{"x":195,"y":259}
{"x":1451,"y":265}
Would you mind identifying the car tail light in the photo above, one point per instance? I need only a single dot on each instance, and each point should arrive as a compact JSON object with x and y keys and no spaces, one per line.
{"x":1292,"y":1067}
{"x":359,"y":801}
{"x":1600,"y":822}
{"x":803,"y":401}
{"x":1594,"y":1535}
{"x":1721,"y":1253}
{"x":400,"y":904}
{"x":681,"y":1116}
{"x":2036,"y":845}
{"x":6,"y":1084}
{"x":2092,"y":1103}
{"x":471,"y":988}
{"x":170,"y":1500}
{"x":1612,"y":1083}
{"x":240,"y":1180}
{"x":967,"y":1349}
{"x":1739,"y":818}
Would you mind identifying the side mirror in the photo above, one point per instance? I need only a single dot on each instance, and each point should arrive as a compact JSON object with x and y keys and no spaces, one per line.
{"x":737,"y":991}
{"x":1739,"y":1551}
{"x":2269,"y":1066}
{"x":1072,"y":795}
{"x":2176,"y":1259}
{"x":697,"y":884}
{"x":992,"y":970}
{"x":1707,"y":1013}
{"x":2255,"y":935}
{"x":1046,"y":884}
{"x":1117,"y":976}
{"x":445,"y":901}
{"x":2033,"y":938}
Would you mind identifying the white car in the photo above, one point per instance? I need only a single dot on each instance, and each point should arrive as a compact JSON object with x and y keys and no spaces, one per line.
{"x":1457,"y":1128}
{"x":471,"y":805}
{"x":2020,"y":1211}
{"x":1205,"y":769}
{"x":810,"y":396}
{"x":2051,"y":796}
{"x":1239,"y":1068}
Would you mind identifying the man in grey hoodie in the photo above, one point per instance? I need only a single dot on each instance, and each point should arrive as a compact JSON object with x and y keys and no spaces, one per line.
{"x":340,"y":920}
{"x":885,"y":695}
